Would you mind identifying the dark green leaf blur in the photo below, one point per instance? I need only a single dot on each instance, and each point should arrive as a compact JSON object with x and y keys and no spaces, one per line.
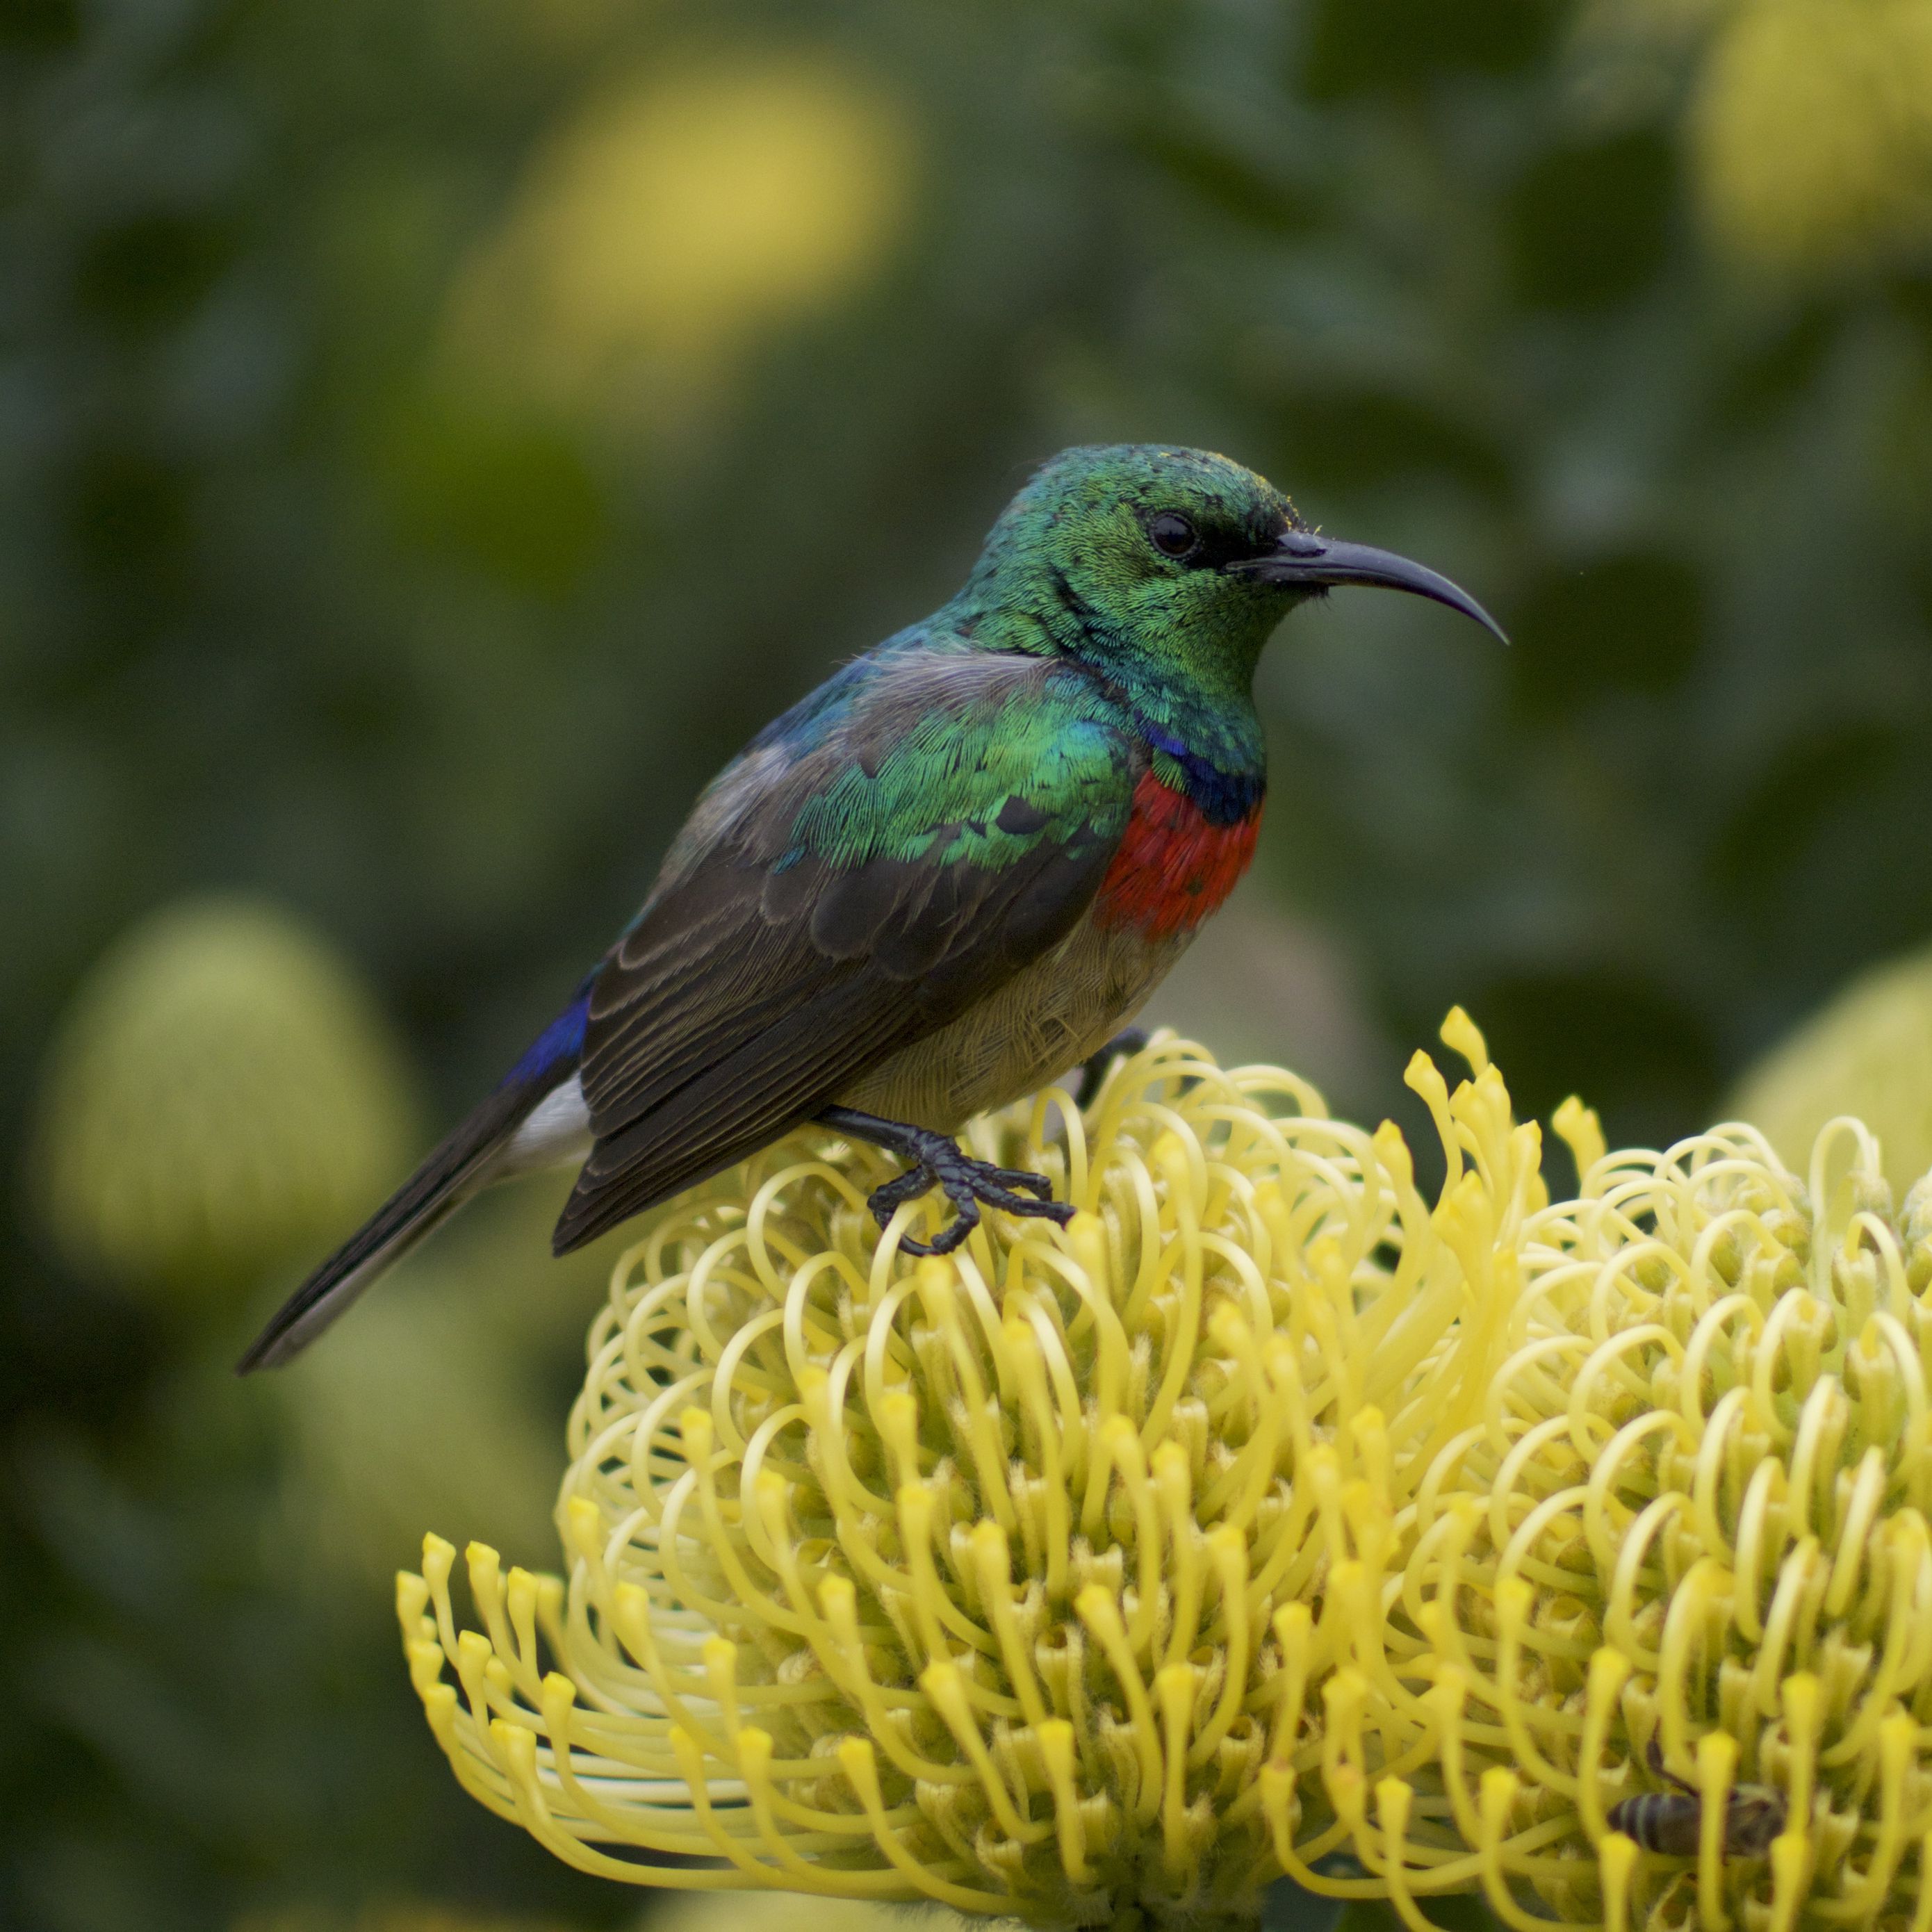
{"x":435,"y":433}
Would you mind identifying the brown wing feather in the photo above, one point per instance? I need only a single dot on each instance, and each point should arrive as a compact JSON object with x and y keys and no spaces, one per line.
{"x":709,"y":1040}
{"x":756,"y":985}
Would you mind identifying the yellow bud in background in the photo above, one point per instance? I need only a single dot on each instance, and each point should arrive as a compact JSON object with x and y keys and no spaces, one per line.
{"x":1812,"y":131}
{"x":1868,"y":1053}
{"x":376,"y":1448}
{"x":790,"y":1912}
{"x":222,"y":1094}
{"x":681,"y":214}
{"x":392,"y":1915}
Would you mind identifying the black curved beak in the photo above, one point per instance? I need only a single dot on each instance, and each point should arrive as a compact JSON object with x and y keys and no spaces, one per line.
{"x":1302,"y":557}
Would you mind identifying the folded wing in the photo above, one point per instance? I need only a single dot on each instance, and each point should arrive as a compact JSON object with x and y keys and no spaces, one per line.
{"x":876,"y":863}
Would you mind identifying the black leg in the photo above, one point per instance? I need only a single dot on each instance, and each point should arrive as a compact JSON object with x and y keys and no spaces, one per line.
{"x":938,"y":1161}
{"x":1093,"y":1071}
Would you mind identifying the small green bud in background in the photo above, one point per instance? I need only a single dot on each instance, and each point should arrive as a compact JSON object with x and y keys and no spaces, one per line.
{"x":222,"y":1096}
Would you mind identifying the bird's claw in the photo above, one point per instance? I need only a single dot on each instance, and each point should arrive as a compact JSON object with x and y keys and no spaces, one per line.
{"x":934,"y":1159}
{"x":937,"y":1161}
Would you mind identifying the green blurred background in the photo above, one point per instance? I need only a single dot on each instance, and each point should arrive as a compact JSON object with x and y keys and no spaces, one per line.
{"x":435,"y":433}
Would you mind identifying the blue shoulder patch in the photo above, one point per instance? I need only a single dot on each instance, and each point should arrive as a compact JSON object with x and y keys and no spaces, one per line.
{"x":560,"y":1044}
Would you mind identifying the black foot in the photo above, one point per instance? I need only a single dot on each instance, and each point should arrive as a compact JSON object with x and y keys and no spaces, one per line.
{"x":1094,"y":1069}
{"x":937,"y":1161}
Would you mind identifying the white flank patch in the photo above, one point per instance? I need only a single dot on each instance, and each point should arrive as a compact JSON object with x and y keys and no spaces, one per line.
{"x":557,"y":1131}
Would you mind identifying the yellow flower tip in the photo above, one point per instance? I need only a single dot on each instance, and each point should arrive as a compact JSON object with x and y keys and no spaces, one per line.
{"x":1616,"y":1858}
{"x":485,"y":1569}
{"x":1580,"y":1130}
{"x":1174,"y":1159}
{"x":516,"y":1745}
{"x":1391,"y":1151}
{"x":1227,"y":1331}
{"x":1462,"y":1036}
{"x":1498,"y":1790}
{"x":1424,"y":1077}
{"x":412,"y":1599}
{"x":425,"y":1659}
{"x":584,"y":1521}
{"x":1266,"y":1512}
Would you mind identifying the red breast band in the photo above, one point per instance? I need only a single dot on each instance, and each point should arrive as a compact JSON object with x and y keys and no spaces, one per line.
{"x":1174,"y":868}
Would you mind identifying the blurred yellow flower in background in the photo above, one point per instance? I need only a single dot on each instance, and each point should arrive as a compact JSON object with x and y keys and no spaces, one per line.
{"x":1811,"y":131}
{"x":1869,"y":1052}
{"x":773,"y":1911}
{"x":682,"y":213}
{"x":790,"y":1911}
{"x":1809,"y":122}
{"x":1266,"y":1513}
{"x":373,"y":1443}
{"x":223,"y":1101}
{"x":377,"y":1448}
{"x":393,"y":1915}
{"x":222,"y":1093}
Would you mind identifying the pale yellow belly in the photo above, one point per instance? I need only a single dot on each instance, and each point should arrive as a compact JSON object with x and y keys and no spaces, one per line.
{"x":1048,"y":1018}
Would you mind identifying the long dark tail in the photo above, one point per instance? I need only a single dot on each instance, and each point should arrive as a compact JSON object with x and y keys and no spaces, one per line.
{"x":461,"y":1164}
{"x":454,"y":1171}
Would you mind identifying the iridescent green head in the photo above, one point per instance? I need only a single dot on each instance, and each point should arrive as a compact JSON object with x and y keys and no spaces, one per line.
{"x":1165,"y":568}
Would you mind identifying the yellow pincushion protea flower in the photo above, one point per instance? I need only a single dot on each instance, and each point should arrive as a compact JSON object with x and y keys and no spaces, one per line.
{"x":222,"y":1092}
{"x":1266,"y":1513}
{"x":1693,"y":1518}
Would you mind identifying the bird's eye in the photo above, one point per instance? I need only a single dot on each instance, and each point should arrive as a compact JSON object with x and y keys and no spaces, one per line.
{"x":1172,"y":534}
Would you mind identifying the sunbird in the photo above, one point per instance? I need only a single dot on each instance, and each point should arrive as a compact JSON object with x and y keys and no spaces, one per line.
{"x":951,"y":874}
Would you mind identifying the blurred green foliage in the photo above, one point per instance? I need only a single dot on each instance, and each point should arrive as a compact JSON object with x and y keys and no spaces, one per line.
{"x":423,"y":460}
